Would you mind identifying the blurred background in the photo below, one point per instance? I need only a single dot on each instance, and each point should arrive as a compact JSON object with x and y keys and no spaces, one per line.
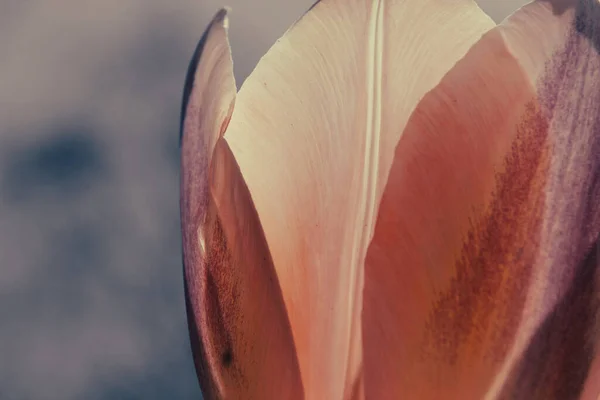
{"x":91,"y":299}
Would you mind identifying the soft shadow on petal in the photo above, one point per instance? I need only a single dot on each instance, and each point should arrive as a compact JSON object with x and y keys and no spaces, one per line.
{"x":314,"y":132}
{"x":556,"y":362}
{"x":242,"y":342}
{"x":475,"y":215}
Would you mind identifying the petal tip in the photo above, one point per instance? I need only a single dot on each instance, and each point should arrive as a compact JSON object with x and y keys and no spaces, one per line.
{"x":222,"y":17}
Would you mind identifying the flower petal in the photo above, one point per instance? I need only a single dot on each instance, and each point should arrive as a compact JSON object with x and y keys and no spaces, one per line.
{"x":562,"y":312}
{"x":240,"y":333}
{"x":313,"y":131}
{"x":489,"y":211}
{"x":591,"y":389}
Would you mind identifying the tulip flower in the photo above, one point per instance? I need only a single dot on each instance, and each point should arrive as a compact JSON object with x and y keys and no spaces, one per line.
{"x":401,"y":202}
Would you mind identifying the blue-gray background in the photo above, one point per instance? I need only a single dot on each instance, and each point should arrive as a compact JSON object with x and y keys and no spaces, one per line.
{"x":91,"y":300}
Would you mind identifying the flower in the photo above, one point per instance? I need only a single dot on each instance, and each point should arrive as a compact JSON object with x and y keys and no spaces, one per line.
{"x":401,"y":202}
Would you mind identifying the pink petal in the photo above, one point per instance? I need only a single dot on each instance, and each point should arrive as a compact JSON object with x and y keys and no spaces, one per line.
{"x":314,"y":131}
{"x":475,"y":243}
{"x":241,"y":337}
